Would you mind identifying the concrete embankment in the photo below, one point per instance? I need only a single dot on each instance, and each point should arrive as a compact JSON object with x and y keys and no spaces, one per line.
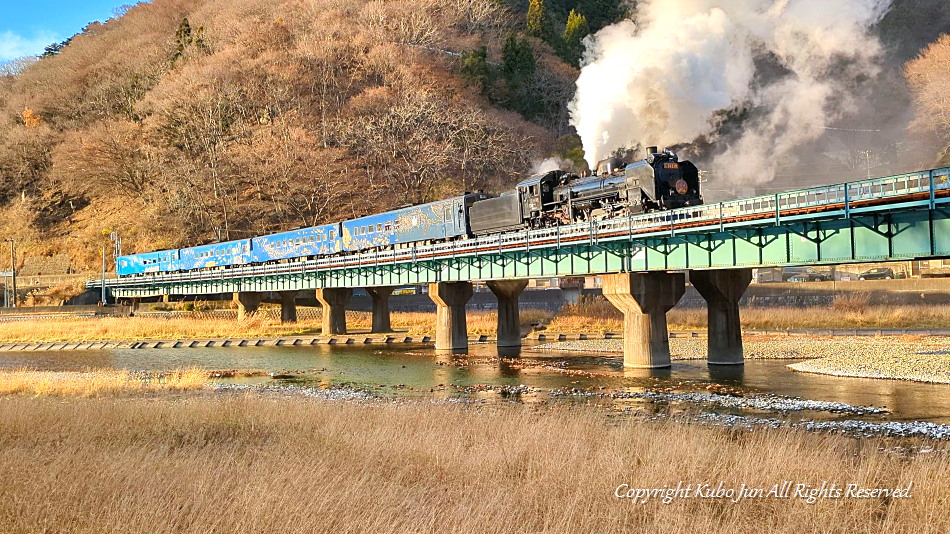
{"x":290,"y":341}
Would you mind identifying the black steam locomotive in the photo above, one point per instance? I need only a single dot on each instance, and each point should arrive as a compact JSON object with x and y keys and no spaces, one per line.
{"x":659,"y":182}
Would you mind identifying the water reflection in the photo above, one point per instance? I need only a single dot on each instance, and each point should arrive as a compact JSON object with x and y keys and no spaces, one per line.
{"x":486,"y":370}
{"x":727,"y":373}
{"x":646,"y":372}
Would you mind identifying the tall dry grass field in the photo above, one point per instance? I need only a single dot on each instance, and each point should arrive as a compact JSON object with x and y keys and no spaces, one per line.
{"x":236,"y":464}
{"x":98,"y":383}
{"x":595,"y":314}
{"x":150,"y":327}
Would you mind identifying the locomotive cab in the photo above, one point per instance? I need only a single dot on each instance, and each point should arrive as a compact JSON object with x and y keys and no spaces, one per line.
{"x":664,"y":181}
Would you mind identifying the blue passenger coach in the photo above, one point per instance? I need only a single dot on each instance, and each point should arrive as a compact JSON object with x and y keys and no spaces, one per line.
{"x":444,"y":219}
{"x":160,"y":261}
{"x":313,"y":241}
{"x":216,"y":255}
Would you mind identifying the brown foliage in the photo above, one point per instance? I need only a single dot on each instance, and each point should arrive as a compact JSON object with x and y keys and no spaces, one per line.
{"x":267,"y":115}
{"x":927,"y":77}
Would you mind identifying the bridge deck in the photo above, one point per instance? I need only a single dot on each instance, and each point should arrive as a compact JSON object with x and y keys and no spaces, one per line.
{"x":891,"y":218}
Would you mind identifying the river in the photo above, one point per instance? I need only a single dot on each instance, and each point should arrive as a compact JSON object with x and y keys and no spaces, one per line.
{"x":521,"y":376}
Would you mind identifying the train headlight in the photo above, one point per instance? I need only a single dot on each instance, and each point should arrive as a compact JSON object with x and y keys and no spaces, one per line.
{"x":681,"y":186}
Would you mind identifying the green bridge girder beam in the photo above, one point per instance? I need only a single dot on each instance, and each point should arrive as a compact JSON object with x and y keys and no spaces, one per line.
{"x":910,"y":233}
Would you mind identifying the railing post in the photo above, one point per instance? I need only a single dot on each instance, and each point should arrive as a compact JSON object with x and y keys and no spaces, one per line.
{"x":721,"y":227}
{"x":778,"y":212}
{"x":930,"y":175}
{"x":847,"y":201}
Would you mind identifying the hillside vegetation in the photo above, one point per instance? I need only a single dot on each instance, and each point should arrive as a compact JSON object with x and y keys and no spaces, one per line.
{"x":180,"y":122}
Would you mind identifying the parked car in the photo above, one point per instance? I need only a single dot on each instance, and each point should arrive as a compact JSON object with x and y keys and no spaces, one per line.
{"x":803,"y":274}
{"x":812,"y":276}
{"x":878,"y":273}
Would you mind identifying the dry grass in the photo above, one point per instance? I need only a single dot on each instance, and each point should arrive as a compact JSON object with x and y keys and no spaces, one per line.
{"x":140,"y":328}
{"x":478,"y":322}
{"x":98,"y":383}
{"x":595,"y":314}
{"x":255,"y":465}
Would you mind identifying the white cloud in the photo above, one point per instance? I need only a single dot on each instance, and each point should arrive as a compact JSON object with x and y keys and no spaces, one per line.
{"x":13,"y":46}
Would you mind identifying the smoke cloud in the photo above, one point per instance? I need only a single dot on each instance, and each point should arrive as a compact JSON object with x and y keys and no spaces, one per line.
{"x":787,"y":68}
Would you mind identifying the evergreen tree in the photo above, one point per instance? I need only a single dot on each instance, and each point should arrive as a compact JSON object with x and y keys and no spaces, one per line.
{"x":575,"y":30}
{"x":517,"y":61}
{"x":518,"y":66}
{"x":185,"y":37}
{"x":536,"y":18}
{"x":475,"y":68}
{"x":55,"y":48}
{"x":602,"y":13}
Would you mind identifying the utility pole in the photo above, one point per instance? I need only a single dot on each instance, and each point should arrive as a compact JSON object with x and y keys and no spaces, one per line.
{"x":103,"y":275}
{"x":13,"y":269}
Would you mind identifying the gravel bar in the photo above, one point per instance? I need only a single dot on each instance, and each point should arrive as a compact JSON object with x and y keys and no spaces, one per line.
{"x":916,"y":358}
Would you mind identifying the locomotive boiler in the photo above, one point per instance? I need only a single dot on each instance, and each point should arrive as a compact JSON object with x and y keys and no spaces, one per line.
{"x":658,"y":182}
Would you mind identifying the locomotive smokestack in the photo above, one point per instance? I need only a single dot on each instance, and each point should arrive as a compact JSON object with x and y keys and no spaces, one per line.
{"x":652,"y":150}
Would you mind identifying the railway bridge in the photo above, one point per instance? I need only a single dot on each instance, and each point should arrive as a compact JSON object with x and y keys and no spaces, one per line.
{"x":644,"y":260}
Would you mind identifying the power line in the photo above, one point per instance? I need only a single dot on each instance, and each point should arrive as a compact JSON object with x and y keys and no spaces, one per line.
{"x":850,"y":129}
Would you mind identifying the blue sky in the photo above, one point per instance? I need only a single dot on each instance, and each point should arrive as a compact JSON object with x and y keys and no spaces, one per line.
{"x":28,"y":26}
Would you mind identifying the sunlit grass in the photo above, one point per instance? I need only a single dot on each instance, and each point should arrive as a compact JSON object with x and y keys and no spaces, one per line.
{"x":252,"y":464}
{"x":260,"y":325}
{"x":595,"y":314}
{"x":98,"y":383}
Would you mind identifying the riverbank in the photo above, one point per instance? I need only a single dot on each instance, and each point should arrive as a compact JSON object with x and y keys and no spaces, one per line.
{"x":245,"y":463}
{"x":99,"y":383}
{"x":116,"y":329}
{"x":595,"y":314}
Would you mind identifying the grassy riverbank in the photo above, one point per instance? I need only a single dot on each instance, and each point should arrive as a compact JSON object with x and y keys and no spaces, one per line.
{"x":150,"y":327}
{"x":228,"y":463}
{"x":598,"y":315}
{"x":588,"y":316}
{"x":98,"y":383}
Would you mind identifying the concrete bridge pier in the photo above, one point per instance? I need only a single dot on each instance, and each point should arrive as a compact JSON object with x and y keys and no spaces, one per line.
{"x":451,"y":330}
{"x":722,"y":289}
{"x":334,"y":301}
{"x":288,"y":306}
{"x":509,"y":320}
{"x":247,"y":303}
{"x":644,"y":299}
{"x":380,"y":295}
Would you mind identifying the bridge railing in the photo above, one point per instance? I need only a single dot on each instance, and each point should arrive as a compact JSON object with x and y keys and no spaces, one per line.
{"x":927,"y":183}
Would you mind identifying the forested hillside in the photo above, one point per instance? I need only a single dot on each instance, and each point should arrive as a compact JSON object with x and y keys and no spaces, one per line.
{"x":186,"y":121}
{"x":182,"y":121}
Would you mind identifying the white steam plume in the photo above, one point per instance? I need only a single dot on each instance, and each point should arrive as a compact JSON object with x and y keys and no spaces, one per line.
{"x":665,"y":79}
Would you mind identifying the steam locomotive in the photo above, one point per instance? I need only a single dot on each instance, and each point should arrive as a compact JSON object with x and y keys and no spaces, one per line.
{"x":659,"y":182}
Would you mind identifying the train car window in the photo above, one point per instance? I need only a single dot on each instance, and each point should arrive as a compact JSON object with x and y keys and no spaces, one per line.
{"x":379,"y":227}
{"x":389,"y":227}
{"x":332,"y":234}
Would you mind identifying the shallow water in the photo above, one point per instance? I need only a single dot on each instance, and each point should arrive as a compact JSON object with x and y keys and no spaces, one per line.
{"x":481,"y":374}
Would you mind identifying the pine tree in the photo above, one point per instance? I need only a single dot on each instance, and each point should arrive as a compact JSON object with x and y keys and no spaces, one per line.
{"x":536,"y":18}
{"x":517,"y":61}
{"x":185,"y":37}
{"x":518,"y":66}
{"x":575,"y":30}
{"x":475,"y":68}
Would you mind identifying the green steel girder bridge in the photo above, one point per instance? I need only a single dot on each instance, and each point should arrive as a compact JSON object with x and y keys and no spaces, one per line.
{"x":902,"y":217}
